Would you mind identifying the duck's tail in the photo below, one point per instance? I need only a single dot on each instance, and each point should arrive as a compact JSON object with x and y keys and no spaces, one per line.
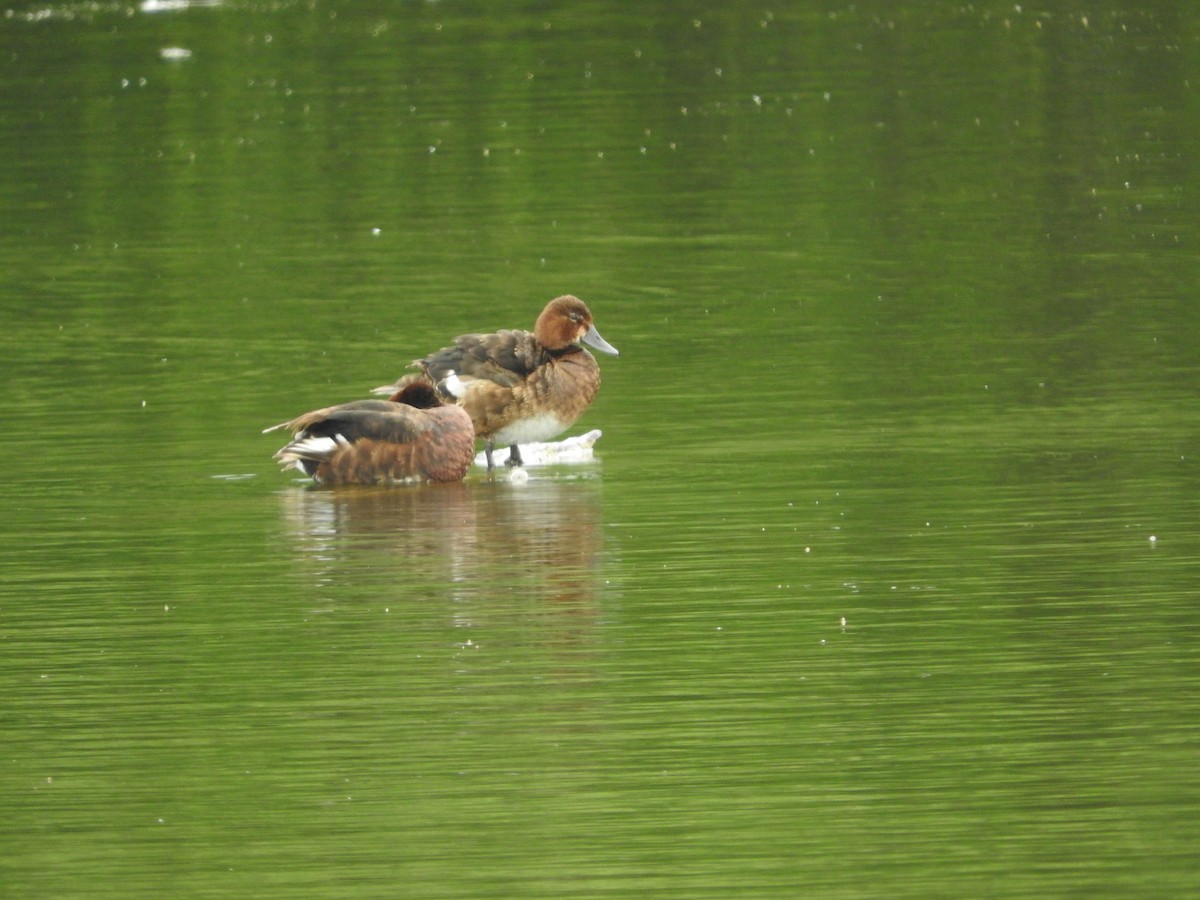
{"x":307,"y":452}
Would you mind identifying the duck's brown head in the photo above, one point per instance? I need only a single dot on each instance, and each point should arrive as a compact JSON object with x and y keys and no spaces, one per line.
{"x":566,"y":320}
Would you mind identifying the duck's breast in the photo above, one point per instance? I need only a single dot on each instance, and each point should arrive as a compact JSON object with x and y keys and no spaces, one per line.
{"x":542,"y":406}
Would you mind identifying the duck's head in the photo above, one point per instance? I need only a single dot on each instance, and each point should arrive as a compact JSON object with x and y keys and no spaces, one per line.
{"x":417,"y":393}
{"x":567,"y":320}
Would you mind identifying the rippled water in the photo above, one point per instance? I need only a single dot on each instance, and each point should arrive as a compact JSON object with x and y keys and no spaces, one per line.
{"x":882,"y":583}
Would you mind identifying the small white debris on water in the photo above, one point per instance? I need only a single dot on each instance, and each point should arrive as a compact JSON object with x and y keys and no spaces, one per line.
{"x":1153,"y":539}
{"x":157,"y":6}
{"x":174,"y":54}
{"x":568,"y":451}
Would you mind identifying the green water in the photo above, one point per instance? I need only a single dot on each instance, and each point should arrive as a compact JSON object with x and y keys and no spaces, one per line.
{"x":883,"y":584}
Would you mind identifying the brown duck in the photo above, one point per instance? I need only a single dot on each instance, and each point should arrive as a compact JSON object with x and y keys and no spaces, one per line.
{"x":520,"y":386}
{"x":413,"y":436}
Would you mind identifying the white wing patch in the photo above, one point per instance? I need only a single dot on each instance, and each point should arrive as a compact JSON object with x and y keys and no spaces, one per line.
{"x":454,"y":386}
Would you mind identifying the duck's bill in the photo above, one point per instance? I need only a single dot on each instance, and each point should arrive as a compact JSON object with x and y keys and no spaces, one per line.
{"x":593,"y":339}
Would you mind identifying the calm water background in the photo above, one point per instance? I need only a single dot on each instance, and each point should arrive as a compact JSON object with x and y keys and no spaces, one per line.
{"x":885,"y":583}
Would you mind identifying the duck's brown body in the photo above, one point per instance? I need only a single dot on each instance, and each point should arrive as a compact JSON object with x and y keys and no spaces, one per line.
{"x":413,"y":437}
{"x":520,"y":386}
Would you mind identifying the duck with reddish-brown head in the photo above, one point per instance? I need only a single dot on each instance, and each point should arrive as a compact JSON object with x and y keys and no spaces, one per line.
{"x":520,"y":386}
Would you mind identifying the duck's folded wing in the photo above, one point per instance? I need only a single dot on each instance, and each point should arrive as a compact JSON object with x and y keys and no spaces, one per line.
{"x":505,"y":357}
{"x":398,"y":425}
{"x":380,"y":420}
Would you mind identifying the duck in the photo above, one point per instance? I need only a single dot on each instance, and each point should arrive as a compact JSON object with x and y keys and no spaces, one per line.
{"x":519,"y":387}
{"x":411,"y":436}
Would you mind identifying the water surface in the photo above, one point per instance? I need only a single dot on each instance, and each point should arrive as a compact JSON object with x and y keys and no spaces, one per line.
{"x":882,"y":584}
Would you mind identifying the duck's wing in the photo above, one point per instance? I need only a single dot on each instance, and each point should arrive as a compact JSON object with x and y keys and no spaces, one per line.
{"x":503,"y":357}
{"x":380,"y":420}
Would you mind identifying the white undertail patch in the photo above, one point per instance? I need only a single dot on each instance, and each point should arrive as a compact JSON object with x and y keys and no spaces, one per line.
{"x":314,"y":449}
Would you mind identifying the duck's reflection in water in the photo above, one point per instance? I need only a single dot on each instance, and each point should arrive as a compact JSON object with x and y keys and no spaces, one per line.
{"x":541,"y":540}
